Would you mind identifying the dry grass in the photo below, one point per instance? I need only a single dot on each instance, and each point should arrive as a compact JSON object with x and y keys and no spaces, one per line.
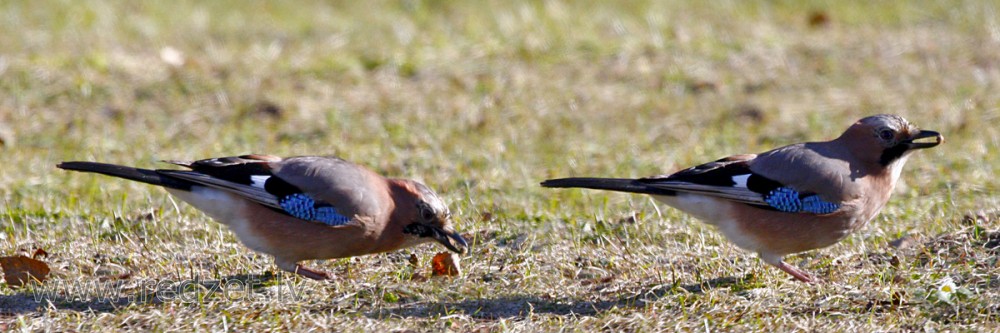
{"x":482,"y":100}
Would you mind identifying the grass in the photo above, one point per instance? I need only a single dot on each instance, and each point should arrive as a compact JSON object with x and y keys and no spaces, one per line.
{"x":482,"y":100}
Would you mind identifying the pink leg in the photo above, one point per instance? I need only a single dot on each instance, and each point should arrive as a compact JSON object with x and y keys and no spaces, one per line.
{"x":294,"y":267}
{"x":312,"y":273}
{"x":775,"y":260}
{"x":797,"y":273}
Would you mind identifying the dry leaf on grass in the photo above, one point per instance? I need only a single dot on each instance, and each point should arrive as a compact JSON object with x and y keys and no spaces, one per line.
{"x":445,"y":263}
{"x":18,"y":270}
{"x":818,"y":19}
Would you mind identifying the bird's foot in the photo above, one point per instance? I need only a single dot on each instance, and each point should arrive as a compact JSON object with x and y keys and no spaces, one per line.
{"x":776,"y":261}
{"x":798,"y":274}
{"x":294,"y":267}
{"x":312,"y":273}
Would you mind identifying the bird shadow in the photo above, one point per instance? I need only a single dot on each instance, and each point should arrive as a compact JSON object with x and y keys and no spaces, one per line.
{"x":110,"y":296}
{"x":524,"y":305}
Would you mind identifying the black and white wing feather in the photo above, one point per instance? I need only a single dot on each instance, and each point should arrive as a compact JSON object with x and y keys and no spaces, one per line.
{"x":732,"y":179}
{"x":251,"y":177}
{"x":729,"y":178}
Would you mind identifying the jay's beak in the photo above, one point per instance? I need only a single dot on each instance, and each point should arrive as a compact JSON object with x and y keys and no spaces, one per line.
{"x":913,"y":144}
{"x":451,"y":240}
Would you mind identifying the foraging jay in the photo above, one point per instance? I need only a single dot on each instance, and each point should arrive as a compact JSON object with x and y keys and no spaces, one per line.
{"x":303,"y":208}
{"x":792,"y":199}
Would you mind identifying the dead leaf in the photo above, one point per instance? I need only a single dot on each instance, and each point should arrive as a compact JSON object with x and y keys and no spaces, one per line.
{"x":819,"y":19}
{"x":445,"y":263}
{"x":414,"y":261}
{"x":18,"y":270}
{"x":39,"y":252}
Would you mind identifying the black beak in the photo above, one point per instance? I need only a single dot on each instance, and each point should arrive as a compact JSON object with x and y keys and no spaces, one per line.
{"x":912,"y":144}
{"x":451,"y":240}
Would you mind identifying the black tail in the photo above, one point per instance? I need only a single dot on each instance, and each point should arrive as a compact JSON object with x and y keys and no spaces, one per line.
{"x":612,"y":184}
{"x":130,"y":173}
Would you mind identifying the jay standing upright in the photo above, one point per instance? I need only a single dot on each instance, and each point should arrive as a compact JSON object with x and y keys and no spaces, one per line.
{"x":792,"y":199}
{"x":303,"y":208}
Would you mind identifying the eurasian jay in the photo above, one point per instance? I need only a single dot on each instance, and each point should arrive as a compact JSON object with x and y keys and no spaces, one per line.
{"x":791,"y":199}
{"x":303,"y":208}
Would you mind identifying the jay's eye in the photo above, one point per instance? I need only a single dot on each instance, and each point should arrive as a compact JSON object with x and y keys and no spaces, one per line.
{"x":886,"y":134}
{"x":426,"y":213}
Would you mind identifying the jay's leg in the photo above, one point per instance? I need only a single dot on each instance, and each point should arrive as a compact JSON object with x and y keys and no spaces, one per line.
{"x":293,"y":267}
{"x":798,"y":274}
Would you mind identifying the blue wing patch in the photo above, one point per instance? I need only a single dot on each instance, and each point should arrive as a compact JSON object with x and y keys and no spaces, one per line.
{"x":788,"y":200}
{"x":813,"y":204}
{"x":302,"y":206}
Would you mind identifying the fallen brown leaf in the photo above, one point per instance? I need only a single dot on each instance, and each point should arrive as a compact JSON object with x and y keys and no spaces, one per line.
{"x":39,"y":252}
{"x":818,"y":19}
{"x":445,"y":263}
{"x":18,"y":270}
